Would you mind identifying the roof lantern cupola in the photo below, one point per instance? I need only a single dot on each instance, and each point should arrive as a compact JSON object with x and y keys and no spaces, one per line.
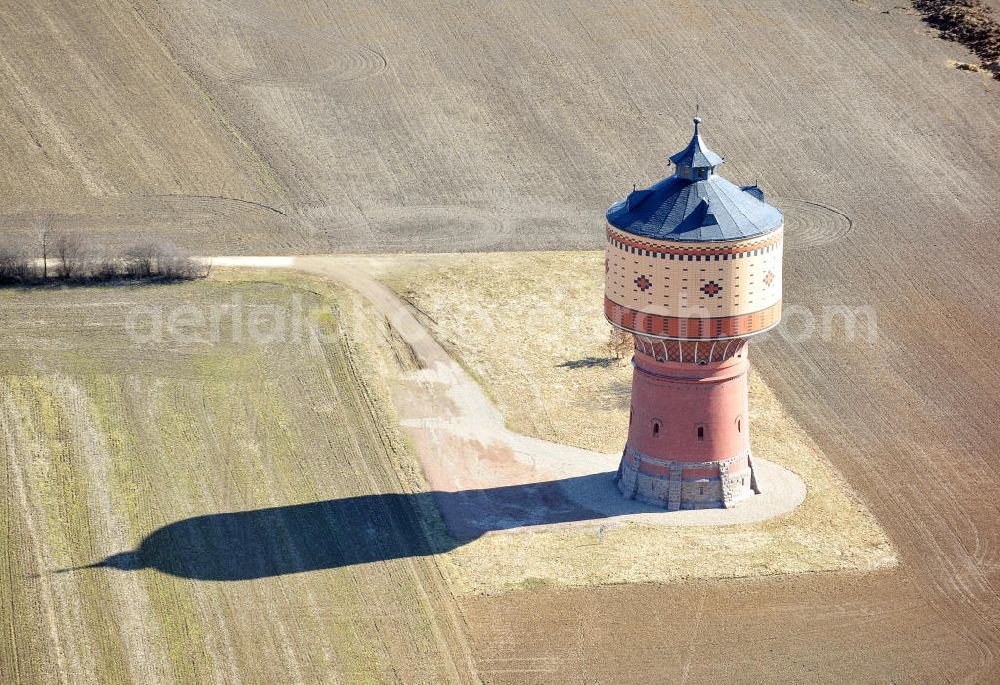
{"x":696,"y":161}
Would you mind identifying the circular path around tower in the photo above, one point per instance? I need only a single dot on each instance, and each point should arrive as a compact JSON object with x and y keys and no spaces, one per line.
{"x":781,"y":491}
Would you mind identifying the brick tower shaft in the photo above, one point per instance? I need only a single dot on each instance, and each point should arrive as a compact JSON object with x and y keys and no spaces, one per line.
{"x":689,"y":433}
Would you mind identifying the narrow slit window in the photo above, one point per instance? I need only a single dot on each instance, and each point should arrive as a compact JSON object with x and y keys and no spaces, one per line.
{"x":701,"y":432}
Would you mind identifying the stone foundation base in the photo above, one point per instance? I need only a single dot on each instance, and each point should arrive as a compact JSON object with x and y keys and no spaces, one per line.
{"x":677,"y":485}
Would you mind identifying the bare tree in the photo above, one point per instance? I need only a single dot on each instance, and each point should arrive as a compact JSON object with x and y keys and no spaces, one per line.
{"x":67,"y":248}
{"x":620,"y":343}
{"x":45,"y":235}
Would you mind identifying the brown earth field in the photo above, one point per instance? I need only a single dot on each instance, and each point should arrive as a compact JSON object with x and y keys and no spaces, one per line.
{"x":316,"y":126}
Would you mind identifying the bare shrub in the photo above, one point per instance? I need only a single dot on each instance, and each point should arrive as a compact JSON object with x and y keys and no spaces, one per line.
{"x":620,"y":343}
{"x":161,"y":259}
{"x":141,"y":260}
{"x":176,"y":263}
{"x":67,"y":248}
{"x":100,"y":265}
{"x":16,"y":267}
{"x":74,"y":258}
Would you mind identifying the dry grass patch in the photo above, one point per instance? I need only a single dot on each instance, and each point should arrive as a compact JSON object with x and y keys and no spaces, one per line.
{"x":529,"y":326}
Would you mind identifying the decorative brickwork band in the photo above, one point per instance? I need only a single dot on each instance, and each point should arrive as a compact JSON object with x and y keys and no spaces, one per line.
{"x":691,"y":328}
{"x":678,"y":485}
{"x":689,"y":351}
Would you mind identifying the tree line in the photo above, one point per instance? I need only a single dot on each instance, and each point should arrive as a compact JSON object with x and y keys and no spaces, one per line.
{"x":70,"y":256}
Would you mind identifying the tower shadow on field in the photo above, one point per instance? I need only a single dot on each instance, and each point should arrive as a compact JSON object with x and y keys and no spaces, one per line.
{"x":262,"y":543}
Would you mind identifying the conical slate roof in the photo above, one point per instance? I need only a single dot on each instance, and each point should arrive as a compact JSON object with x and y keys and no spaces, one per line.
{"x":695,"y":204}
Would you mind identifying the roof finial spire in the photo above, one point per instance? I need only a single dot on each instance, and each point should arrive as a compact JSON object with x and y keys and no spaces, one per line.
{"x":697,"y":119}
{"x":695,"y":155}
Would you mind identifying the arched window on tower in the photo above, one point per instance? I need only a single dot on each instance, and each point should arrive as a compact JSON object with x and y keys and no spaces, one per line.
{"x":656,"y":428}
{"x":701,"y":432}
{"x":739,"y":424}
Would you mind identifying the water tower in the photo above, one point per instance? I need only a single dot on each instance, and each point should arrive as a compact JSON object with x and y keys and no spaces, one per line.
{"x":693,"y":270}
